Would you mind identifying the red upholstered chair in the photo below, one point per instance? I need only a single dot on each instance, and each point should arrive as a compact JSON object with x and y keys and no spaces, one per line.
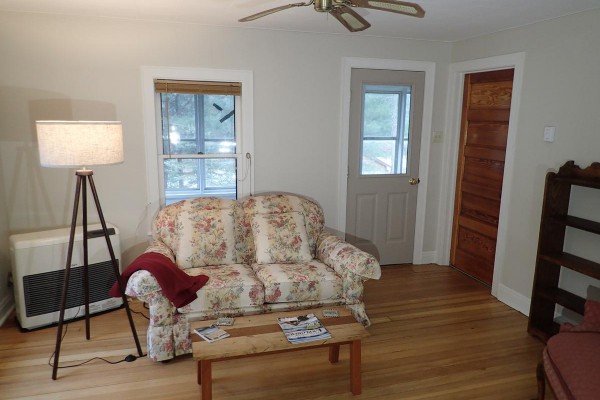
{"x":571,"y":359}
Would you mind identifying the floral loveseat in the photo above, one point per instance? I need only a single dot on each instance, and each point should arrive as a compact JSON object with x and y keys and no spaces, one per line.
{"x":261,"y":254}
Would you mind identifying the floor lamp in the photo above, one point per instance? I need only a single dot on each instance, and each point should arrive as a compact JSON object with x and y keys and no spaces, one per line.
{"x":76,"y":144}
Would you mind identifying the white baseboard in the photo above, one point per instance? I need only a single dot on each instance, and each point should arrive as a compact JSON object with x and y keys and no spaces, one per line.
{"x":7,"y":305}
{"x":514,"y":299}
{"x":428,"y":257}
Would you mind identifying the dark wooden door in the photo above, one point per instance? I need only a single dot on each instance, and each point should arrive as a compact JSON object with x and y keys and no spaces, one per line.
{"x":484,"y":129}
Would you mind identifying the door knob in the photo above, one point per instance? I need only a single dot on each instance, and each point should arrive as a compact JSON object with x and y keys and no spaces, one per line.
{"x":414,"y":181}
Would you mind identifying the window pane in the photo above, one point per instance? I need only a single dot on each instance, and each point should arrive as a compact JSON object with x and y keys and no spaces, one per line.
{"x":219,"y":117}
{"x":380,"y":115}
{"x":220,"y":173}
{"x":180,"y":116}
{"x":192,"y":177}
{"x":220,"y":147}
{"x":181,"y":174}
{"x":197,"y":124}
{"x":378,"y":157}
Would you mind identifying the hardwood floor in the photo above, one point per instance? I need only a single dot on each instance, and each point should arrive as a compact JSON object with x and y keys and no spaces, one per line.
{"x":436,"y":334}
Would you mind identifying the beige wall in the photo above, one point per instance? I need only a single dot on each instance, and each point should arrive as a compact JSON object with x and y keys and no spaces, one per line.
{"x":60,"y":67}
{"x":561,"y":87}
{"x":56,"y":67}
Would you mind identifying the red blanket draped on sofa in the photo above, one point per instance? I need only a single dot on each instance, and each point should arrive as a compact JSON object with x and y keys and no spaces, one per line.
{"x":176,"y":285}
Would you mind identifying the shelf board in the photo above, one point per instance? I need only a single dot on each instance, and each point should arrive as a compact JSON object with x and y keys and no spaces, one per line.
{"x":583,"y":224}
{"x":563,"y":297}
{"x":576,"y":263}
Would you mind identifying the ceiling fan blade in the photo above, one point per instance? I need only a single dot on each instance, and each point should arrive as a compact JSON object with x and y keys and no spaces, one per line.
{"x":400,"y":7}
{"x":350,"y":19}
{"x":272,"y":10}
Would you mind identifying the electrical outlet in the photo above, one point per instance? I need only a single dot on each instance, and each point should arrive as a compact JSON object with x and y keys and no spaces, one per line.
{"x":437,"y":137}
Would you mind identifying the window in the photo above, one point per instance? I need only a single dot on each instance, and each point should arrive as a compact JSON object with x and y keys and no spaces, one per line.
{"x":385,"y":130}
{"x":197,"y":142}
{"x":198,"y":137}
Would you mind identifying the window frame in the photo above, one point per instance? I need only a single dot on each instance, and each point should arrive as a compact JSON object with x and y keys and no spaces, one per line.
{"x":153,"y":126}
{"x":403,"y":91}
{"x":200,"y":140}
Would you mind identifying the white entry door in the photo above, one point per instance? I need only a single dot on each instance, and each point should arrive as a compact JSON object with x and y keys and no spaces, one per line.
{"x":386,"y":109}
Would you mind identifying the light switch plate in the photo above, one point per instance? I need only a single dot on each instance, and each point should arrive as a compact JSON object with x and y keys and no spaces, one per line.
{"x":549,"y":134}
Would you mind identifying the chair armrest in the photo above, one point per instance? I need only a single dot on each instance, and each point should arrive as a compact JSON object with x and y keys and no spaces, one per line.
{"x":341,"y":256}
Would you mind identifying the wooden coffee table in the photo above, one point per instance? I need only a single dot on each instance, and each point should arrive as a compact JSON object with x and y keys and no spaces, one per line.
{"x":257,"y":335}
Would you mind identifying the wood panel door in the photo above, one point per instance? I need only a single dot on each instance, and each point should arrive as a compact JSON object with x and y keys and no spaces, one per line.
{"x":484,"y":130}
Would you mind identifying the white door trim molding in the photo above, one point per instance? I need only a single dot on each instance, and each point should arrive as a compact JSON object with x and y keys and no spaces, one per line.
{"x":450,"y":154}
{"x":400,"y":65}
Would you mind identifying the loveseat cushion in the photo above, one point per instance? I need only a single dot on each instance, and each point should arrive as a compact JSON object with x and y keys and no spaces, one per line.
{"x":206,"y":238}
{"x":283,"y":203}
{"x":228,"y":286}
{"x":312,"y":281}
{"x":202,"y":231}
{"x":280,"y":238}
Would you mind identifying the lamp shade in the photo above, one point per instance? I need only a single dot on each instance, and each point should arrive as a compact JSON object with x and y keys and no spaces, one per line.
{"x":64,"y":144}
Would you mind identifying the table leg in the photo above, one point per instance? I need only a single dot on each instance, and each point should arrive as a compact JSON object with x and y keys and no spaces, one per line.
{"x":334,"y":353}
{"x":355,"y":378}
{"x":206,"y":379}
{"x":199,"y":373}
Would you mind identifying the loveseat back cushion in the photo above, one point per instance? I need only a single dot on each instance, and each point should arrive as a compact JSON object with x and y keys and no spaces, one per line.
{"x":280,"y":238}
{"x":201,"y":231}
{"x":284,"y":203}
{"x":312,"y":281}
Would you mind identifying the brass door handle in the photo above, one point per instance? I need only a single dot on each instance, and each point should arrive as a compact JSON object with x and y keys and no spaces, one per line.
{"x":414,"y":181}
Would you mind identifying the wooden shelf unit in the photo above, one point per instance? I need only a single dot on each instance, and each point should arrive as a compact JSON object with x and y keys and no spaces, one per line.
{"x":551,"y":257}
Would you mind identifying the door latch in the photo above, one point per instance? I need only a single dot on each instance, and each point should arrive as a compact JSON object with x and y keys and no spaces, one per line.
{"x":414,"y":181}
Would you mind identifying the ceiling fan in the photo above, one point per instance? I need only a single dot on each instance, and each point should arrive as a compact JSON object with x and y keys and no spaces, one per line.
{"x":342,"y":11}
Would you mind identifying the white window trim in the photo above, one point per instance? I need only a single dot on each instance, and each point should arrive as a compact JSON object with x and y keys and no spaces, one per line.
{"x":246,"y":116}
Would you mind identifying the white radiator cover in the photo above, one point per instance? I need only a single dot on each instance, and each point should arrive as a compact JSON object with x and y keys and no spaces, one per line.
{"x":38,"y":262}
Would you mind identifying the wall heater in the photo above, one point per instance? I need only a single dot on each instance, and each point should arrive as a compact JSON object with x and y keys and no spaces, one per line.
{"x":38,"y":268}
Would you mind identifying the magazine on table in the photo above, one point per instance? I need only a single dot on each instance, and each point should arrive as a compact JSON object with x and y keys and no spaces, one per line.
{"x":211,"y":333}
{"x":304,"y":328}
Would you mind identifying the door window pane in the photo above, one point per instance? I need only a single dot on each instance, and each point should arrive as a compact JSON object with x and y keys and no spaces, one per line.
{"x":381,"y":114}
{"x":385,"y":129}
{"x":378,"y":157}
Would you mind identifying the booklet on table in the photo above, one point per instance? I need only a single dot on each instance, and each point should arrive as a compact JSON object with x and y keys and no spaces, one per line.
{"x":211,"y":333}
{"x":304,"y":328}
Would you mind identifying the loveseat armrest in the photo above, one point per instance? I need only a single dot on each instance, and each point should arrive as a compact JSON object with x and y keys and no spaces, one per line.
{"x":158,"y":246}
{"x":341,"y":256}
{"x":142,"y":283}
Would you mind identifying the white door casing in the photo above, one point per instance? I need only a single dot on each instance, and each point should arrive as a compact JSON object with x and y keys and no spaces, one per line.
{"x":450,"y":159}
{"x":381,"y":203}
{"x":348,"y":63}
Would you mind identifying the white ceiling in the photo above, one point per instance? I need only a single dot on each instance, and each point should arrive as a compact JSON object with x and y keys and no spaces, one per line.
{"x":445,"y":20}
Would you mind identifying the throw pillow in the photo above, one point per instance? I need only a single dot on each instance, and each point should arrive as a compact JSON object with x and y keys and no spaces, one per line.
{"x":280,"y":238}
{"x":591,"y":319}
{"x":206,"y":238}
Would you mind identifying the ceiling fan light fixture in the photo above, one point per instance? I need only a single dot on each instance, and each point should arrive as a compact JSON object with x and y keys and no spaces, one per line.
{"x":394,"y":7}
